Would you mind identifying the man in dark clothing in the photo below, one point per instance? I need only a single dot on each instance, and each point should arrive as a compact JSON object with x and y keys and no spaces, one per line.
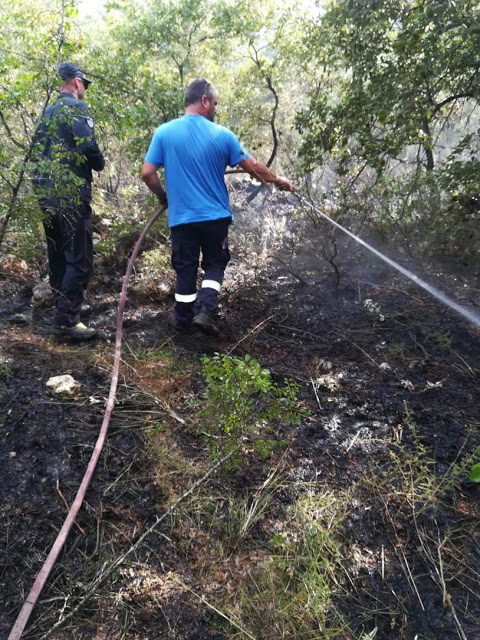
{"x":66,"y":152}
{"x":195,"y":153}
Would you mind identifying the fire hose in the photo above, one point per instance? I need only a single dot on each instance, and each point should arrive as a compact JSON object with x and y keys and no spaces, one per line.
{"x":44,"y":572}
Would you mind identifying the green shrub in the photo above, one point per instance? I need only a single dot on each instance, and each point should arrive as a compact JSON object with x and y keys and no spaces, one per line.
{"x":242,"y":404}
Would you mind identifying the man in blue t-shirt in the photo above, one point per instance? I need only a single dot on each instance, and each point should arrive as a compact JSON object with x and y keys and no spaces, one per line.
{"x":195,"y":153}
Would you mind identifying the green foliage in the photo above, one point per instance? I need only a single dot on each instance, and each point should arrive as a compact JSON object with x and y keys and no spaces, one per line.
{"x":156,"y":262}
{"x":157,"y":427}
{"x":137,"y":92}
{"x":394,"y":111}
{"x":141,"y":56}
{"x":475,"y":473}
{"x":27,"y":82}
{"x":420,"y":214}
{"x":399,"y":70}
{"x":461,"y":170}
{"x":411,"y":211}
{"x":242,"y":404}
{"x":259,"y":95}
{"x":414,"y":473}
{"x":292,"y":595}
{"x":265,"y":447}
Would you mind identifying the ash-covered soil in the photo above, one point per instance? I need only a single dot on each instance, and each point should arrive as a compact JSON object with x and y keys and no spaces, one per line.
{"x":392,"y":386}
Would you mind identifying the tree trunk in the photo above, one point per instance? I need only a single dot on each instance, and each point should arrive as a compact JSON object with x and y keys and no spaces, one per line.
{"x":427,"y":145}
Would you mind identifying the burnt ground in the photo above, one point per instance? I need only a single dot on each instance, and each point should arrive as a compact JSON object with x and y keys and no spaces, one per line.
{"x":393,"y":430}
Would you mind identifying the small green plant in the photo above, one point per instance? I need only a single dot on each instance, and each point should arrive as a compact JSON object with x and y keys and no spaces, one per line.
{"x":265,"y":447}
{"x":475,"y":472}
{"x":156,"y":262}
{"x":157,"y":427}
{"x":415,"y":473}
{"x":241,"y":405}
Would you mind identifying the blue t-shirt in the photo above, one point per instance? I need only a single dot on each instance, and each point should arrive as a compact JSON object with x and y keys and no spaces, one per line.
{"x":195,"y":153}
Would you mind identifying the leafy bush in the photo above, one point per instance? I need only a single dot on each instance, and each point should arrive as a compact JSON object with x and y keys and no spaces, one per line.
{"x":241,"y":405}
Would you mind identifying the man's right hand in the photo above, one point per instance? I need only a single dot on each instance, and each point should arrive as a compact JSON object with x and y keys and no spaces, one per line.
{"x":284,"y":184}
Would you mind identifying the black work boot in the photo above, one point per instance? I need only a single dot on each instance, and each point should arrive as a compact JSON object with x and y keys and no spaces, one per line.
{"x":77,"y":332}
{"x":205,"y":320}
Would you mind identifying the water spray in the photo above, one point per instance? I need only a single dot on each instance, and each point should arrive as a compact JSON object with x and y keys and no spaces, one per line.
{"x":469,"y":315}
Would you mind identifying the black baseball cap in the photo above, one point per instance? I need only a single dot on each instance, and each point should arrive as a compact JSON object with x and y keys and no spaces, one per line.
{"x":68,"y":70}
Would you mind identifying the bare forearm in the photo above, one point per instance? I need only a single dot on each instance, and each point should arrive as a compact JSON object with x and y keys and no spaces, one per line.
{"x":151,"y":179}
{"x":155,"y":186}
{"x":259,"y":171}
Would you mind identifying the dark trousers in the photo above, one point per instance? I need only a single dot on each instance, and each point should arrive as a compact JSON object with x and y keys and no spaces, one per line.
{"x":68,"y":229}
{"x":188,"y":240}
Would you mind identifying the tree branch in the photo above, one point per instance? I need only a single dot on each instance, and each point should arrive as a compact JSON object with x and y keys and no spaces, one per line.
{"x":18,"y":144}
{"x":268,"y":79}
{"x":457,"y":96}
{"x":29,"y":149}
{"x":272,"y":121}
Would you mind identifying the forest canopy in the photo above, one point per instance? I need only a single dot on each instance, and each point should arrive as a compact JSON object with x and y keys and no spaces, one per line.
{"x":371,"y":107}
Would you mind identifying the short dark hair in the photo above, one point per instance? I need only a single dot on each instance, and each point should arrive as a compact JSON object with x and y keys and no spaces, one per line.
{"x":198,"y":88}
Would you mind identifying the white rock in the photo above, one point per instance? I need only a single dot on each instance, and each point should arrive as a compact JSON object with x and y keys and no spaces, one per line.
{"x":385,"y":366}
{"x":64,"y":386}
